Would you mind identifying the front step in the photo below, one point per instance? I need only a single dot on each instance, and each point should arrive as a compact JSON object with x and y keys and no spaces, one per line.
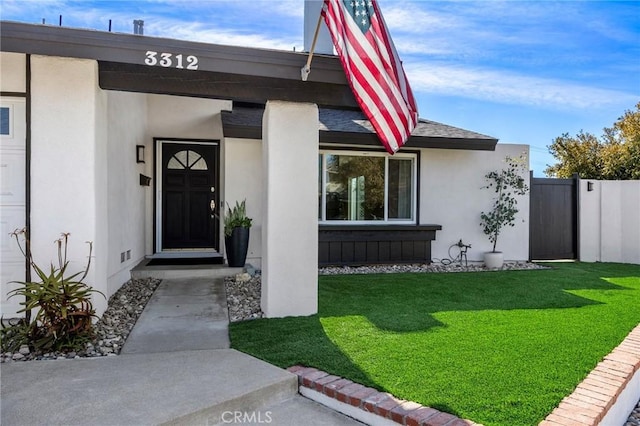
{"x":143,"y":270}
{"x":269,"y":387}
{"x":186,"y":388}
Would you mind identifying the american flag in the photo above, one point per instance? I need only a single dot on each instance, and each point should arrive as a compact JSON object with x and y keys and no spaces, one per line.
{"x":373,"y":68}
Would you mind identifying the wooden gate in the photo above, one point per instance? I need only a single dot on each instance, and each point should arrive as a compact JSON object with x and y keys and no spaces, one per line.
{"x":553,"y":231}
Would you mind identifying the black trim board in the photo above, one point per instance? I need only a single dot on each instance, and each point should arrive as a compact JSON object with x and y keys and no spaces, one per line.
{"x":217,"y":85}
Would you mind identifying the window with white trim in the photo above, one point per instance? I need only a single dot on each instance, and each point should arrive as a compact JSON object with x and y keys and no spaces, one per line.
{"x":358,"y":187}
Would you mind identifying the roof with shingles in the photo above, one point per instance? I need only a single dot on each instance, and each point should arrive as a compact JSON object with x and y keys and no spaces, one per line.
{"x":352,"y":127}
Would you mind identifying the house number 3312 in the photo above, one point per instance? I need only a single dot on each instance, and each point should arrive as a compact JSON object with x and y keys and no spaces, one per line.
{"x":169,"y":60}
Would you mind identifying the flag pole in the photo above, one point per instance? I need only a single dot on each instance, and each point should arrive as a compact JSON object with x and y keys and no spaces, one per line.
{"x":304,"y":72}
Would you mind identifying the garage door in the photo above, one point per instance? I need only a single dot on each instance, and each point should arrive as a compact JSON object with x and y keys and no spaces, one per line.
{"x":12,"y":197}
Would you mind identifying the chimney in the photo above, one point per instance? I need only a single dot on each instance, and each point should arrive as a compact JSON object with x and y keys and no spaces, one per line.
{"x":138,"y":26}
{"x":324,"y":44}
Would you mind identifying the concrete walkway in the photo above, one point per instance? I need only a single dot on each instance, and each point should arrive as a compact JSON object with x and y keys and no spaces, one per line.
{"x":175,"y":369}
{"x":183,"y":313}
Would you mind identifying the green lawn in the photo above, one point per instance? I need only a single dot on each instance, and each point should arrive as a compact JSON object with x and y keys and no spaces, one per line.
{"x":499,"y":348}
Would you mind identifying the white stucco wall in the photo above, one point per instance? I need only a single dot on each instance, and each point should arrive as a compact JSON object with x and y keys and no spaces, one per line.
{"x":451,"y":195}
{"x":183,"y":117}
{"x":243,"y":180}
{"x":68,"y":177}
{"x":290,"y":209}
{"x":127,"y":123}
{"x":610,"y":221}
{"x":12,"y":72}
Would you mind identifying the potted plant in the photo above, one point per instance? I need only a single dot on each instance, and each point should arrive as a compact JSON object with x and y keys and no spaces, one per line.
{"x":506,"y":184}
{"x":236,"y":234}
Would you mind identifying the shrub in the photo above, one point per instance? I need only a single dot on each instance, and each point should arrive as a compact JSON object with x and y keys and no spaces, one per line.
{"x":236,"y":217}
{"x":64,"y":312}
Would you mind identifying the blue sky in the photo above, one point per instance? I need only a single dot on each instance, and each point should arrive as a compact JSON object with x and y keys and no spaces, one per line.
{"x":520,"y":71}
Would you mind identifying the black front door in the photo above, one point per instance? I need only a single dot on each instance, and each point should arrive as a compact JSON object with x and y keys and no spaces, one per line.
{"x":190,"y":196}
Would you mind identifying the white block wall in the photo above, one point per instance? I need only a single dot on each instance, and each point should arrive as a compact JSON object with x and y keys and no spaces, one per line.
{"x":610,"y":221}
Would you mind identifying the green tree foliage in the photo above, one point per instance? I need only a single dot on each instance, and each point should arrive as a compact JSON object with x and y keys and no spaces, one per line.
{"x":613,"y":156}
{"x":507,"y":184}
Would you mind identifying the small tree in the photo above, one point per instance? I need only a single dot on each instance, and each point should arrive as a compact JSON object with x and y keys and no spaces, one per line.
{"x":507,"y":184}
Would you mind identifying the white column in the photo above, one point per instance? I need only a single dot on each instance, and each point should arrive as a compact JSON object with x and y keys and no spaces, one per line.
{"x":290,"y":209}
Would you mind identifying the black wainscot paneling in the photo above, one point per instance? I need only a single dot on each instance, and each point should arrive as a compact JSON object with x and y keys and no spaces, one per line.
{"x":375,"y":244}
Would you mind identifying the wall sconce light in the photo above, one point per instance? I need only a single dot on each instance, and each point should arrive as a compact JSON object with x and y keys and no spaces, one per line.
{"x":139,"y":153}
{"x":589,"y":186}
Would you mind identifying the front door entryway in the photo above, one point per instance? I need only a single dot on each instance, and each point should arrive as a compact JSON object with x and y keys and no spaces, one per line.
{"x":188,"y":207}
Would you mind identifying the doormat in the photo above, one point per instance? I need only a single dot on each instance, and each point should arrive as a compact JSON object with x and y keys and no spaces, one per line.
{"x":177,"y":261}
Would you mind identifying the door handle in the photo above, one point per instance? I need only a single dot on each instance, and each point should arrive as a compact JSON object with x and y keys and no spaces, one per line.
{"x":212,"y":207}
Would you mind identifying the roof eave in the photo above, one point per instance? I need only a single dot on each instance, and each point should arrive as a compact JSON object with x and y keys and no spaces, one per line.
{"x":51,"y":40}
{"x":369,"y":139}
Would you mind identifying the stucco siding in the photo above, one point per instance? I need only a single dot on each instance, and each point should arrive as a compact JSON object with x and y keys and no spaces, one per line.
{"x":127,"y":122}
{"x":68,"y":183}
{"x":452,"y":195}
{"x":13,"y":69}
{"x":243,"y":180}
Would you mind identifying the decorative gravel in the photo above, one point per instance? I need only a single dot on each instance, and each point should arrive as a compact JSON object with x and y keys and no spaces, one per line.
{"x":433,"y":267}
{"x":634,"y":417}
{"x":243,"y":297}
{"x":112,"y":329}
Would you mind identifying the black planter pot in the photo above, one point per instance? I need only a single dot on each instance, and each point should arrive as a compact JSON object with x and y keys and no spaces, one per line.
{"x":237,"y":245}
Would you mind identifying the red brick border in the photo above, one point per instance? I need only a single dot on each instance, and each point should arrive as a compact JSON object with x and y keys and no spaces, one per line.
{"x":370,"y":400}
{"x":596,"y":394}
{"x":586,"y":406}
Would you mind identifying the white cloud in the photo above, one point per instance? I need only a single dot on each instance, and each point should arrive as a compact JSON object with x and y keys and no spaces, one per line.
{"x":209,"y":34}
{"x":511,"y":88}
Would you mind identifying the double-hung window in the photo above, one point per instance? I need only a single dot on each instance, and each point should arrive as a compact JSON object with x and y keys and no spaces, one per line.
{"x":359,"y":187}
